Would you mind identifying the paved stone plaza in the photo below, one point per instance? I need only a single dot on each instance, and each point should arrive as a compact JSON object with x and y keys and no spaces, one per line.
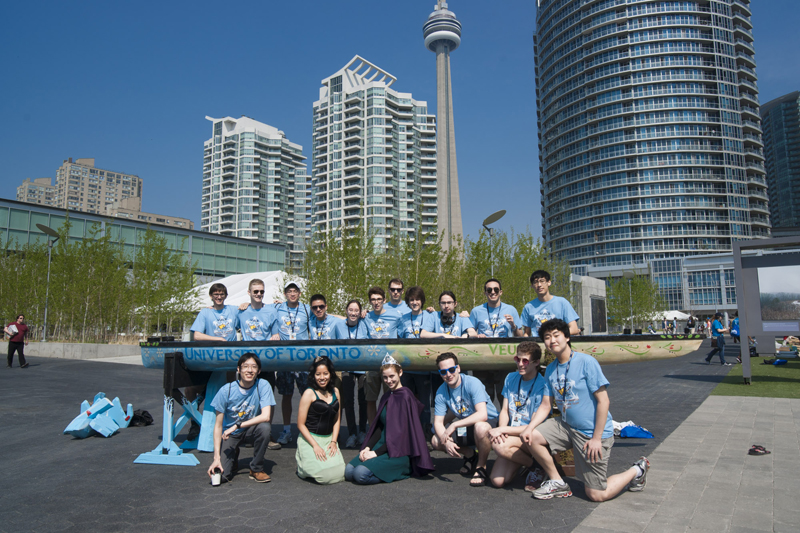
{"x":701,"y":477}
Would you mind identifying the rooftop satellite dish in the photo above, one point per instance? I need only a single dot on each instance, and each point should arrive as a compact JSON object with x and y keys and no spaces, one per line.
{"x":52,"y":232}
{"x":494,"y":217}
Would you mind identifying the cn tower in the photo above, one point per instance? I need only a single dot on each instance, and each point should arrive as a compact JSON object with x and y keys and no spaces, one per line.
{"x":442,"y":33}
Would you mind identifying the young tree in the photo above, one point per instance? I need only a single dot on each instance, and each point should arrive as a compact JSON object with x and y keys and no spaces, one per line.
{"x":636,"y":300}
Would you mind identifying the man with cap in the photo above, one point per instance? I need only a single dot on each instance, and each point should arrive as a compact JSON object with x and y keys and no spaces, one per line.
{"x":293,"y":321}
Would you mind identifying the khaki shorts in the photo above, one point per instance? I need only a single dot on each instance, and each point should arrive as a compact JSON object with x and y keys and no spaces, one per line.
{"x":372,"y":386}
{"x":560,"y":437}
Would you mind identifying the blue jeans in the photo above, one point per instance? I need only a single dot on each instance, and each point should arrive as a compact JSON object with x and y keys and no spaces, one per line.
{"x":720,"y":349}
{"x":360,"y":475}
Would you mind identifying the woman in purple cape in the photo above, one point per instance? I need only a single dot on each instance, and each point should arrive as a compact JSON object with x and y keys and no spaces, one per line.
{"x":395,"y":446}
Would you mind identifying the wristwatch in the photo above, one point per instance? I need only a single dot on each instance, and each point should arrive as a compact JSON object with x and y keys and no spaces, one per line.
{"x":238,"y":425}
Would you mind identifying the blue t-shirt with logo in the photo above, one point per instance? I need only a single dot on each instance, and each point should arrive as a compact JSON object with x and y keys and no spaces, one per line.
{"x":463,"y":399}
{"x":383,"y":326}
{"x":411,"y":325}
{"x":490,"y":321}
{"x":221,"y":323}
{"x":402,"y":308}
{"x":572,"y":385}
{"x":359,"y":331}
{"x":330,"y":328}
{"x":459,"y":326}
{"x":293,"y":322}
{"x":524,"y":397}
{"x":536,"y":312}
{"x":238,"y":404}
{"x":258,"y":324}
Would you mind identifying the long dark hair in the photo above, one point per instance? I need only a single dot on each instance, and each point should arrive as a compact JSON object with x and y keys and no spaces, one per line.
{"x":318,"y":362}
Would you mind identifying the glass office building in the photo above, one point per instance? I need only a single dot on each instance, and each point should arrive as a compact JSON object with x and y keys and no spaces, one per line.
{"x":780,"y":119}
{"x":217,"y":256}
{"x":649,"y":131}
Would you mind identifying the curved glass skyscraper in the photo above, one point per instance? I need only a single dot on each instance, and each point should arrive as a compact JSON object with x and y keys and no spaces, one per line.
{"x":649,"y":130}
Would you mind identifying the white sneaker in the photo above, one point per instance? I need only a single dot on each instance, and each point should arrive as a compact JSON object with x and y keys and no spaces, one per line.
{"x":361,"y":438}
{"x":352,"y":441}
{"x":285,"y":437}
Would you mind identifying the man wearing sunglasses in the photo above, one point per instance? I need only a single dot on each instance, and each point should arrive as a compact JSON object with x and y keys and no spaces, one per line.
{"x":494,"y":319}
{"x":463,"y":416}
{"x":323,"y":326}
{"x":258,"y":321}
{"x":396,"y":301}
{"x":576,"y":382}
{"x":522,"y":394}
{"x":546,"y":307}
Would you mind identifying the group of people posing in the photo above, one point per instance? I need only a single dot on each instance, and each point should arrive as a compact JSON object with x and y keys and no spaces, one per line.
{"x":466,"y":423}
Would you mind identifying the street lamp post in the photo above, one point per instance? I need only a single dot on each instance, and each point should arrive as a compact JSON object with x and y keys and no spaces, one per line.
{"x":50,"y":242}
{"x":629,"y":276}
{"x":491,"y":219}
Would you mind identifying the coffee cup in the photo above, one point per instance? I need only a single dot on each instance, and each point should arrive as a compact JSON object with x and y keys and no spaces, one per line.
{"x":216,"y":477}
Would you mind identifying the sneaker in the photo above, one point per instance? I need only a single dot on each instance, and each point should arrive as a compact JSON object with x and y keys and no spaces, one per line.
{"x":638,"y":483}
{"x":551,"y":489}
{"x":534,"y":479}
{"x":727,"y":364}
{"x":285,"y":437}
{"x":24,"y":366}
{"x":352,"y":441}
{"x":273,"y":445}
{"x":362,"y":436}
{"x":260,"y":477}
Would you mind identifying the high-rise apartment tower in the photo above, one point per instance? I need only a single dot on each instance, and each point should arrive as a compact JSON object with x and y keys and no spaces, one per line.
{"x":780,"y":119}
{"x":374,"y":159}
{"x":39,"y":191}
{"x":442,"y":32}
{"x":255,"y":186}
{"x":80,"y":186}
{"x":649,"y":132}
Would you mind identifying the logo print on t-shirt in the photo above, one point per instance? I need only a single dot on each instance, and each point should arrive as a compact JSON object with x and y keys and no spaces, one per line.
{"x":565,"y":395}
{"x":542,"y":317}
{"x":462,"y":406}
{"x":254,"y":329}
{"x":223,"y":326}
{"x":379,"y":329}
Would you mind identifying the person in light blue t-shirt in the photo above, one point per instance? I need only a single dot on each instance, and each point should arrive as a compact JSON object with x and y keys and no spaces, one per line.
{"x":447,"y":323}
{"x":494,"y":319}
{"x":322,"y":325}
{"x":243,"y":408}
{"x":395,"y":301}
{"x":577,"y":384}
{"x":219,"y":322}
{"x":259,"y":322}
{"x":463,"y":415}
{"x":293,"y":318}
{"x":412,"y":324}
{"x":546,"y":307}
{"x":522,"y":394}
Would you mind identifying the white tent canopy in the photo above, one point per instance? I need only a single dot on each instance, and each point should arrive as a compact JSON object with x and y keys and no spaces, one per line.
{"x":669,"y":315}
{"x":237,"y":285}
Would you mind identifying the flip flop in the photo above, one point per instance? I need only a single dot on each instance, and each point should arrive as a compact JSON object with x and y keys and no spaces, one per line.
{"x":758,"y":450}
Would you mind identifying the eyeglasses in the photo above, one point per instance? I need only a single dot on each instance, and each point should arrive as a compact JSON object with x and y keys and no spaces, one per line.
{"x":492,"y":290}
{"x":447,"y":303}
{"x":292,"y":291}
{"x":376,"y":299}
{"x":539,"y":281}
{"x":317,"y":307}
{"x":445,"y":371}
{"x":219,"y":295}
{"x":393,"y":289}
{"x":249,"y":367}
{"x":525,"y":362}
{"x":258,"y":292}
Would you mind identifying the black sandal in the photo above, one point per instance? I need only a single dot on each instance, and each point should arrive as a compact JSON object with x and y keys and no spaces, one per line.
{"x":758,"y":450}
{"x":481,"y":476}
{"x":469,"y":465}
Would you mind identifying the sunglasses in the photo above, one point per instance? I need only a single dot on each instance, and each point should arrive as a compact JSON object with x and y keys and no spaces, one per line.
{"x":317,"y":307}
{"x":445,"y":371}
{"x":395,"y":290}
{"x":525,"y":362}
{"x":492,"y":290}
{"x":258,"y":292}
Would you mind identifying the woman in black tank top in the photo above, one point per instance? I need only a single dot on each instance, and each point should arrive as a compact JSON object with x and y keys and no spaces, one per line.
{"x":318,"y":419}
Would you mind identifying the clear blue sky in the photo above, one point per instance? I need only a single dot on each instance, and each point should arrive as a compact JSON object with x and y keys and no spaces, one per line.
{"x":129,"y":83}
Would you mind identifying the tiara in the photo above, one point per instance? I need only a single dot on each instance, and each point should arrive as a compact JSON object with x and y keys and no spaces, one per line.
{"x":389,"y":360}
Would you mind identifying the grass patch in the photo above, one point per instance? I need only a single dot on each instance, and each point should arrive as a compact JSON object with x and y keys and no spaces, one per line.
{"x":768,"y":381}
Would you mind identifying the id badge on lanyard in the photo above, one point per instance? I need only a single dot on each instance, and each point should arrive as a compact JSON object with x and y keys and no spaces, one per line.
{"x":517,"y":420}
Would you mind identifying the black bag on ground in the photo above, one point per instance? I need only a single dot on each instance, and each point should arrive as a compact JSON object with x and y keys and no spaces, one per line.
{"x":141,"y":418}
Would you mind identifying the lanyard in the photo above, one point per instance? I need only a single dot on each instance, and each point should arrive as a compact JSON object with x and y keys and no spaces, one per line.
{"x":350,"y":329}
{"x":530,"y":389}
{"x":461,"y":395}
{"x":292,"y":321}
{"x":563,"y":390}
{"x":493,"y":322}
{"x":320,"y":329}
